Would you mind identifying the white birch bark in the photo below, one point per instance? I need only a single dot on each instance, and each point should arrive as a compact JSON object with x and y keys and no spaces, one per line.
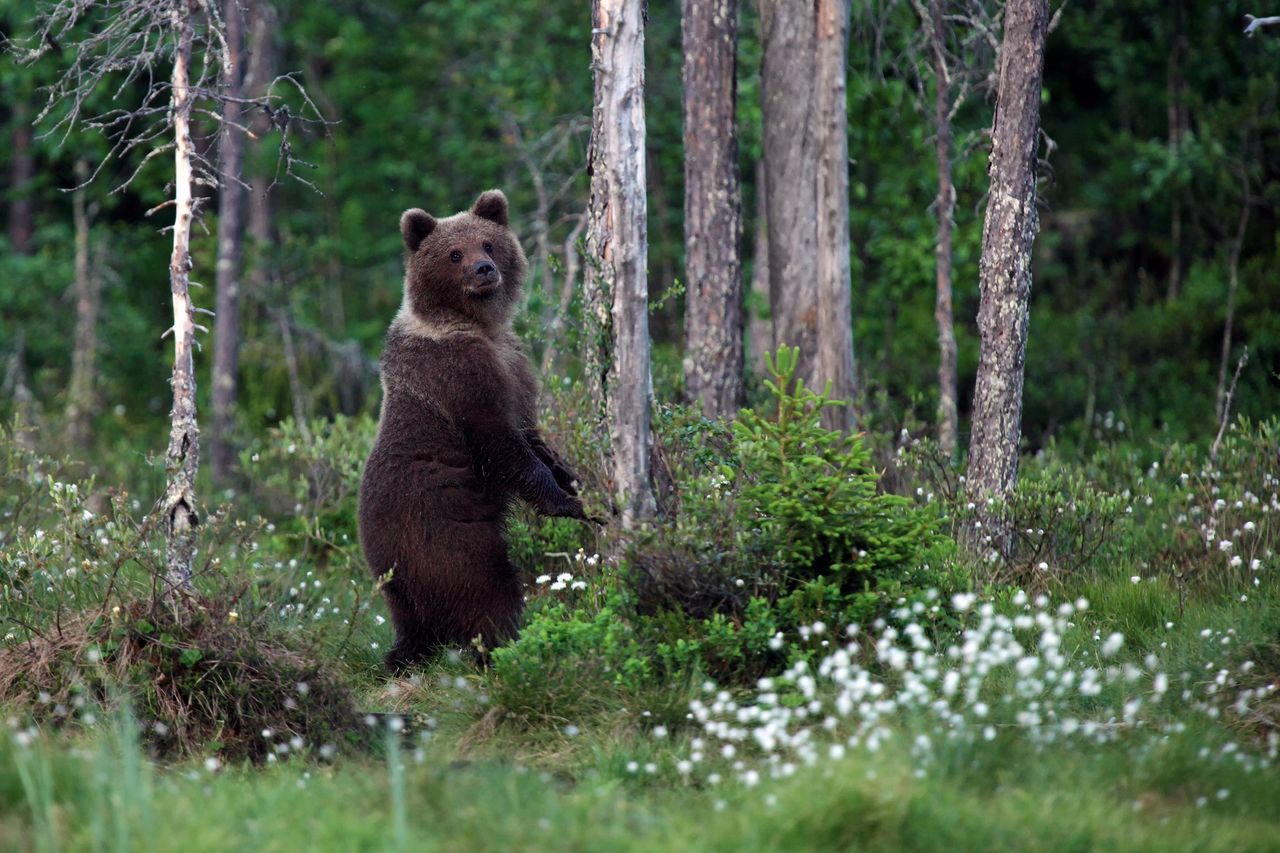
{"x":617,"y":247}
{"x":182,"y":459}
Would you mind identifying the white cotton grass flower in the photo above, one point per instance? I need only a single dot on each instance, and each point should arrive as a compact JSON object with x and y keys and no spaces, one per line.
{"x":1004,"y":675}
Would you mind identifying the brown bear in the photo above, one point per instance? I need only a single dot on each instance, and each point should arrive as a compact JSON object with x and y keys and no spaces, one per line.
{"x":457,"y":440}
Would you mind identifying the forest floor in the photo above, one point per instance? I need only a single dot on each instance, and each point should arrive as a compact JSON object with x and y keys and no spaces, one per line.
{"x":1126,"y":706}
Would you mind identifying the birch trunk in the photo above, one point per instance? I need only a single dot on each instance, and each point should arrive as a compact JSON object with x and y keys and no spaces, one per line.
{"x":712,"y":208}
{"x":806,"y":158}
{"x":226,"y":330}
{"x":617,"y":250}
{"x":80,"y":394}
{"x":182,"y":459}
{"x":835,"y":309}
{"x":1005,"y":269}
{"x":948,"y":418}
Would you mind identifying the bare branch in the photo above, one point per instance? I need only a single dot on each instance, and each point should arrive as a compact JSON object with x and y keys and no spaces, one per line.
{"x":1255,"y":24}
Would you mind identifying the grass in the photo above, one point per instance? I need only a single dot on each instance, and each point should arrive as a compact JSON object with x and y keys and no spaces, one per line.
{"x":101,"y":795}
{"x":556,"y":748}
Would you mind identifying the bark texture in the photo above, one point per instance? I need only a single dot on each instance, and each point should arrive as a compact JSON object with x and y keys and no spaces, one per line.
{"x":182,"y":459}
{"x":806,"y":187}
{"x":712,"y":208}
{"x":22,"y":169}
{"x":948,"y":418}
{"x":759,"y":323}
{"x":81,"y":398}
{"x":789,"y":67}
{"x":1004,"y":279}
{"x":226,"y":330}
{"x":617,"y":359}
{"x":835,"y":309}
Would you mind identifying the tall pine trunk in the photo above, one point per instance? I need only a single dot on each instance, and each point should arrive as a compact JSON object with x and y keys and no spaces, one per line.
{"x":226,"y":329}
{"x":791,"y":175}
{"x":1004,"y":280}
{"x":948,"y":418}
{"x":22,"y":169}
{"x":835,"y":309}
{"x":617,"y":359}
{"x":712,"y":208}
{"x":81,"y":401}
{"x":182,"y":458}
{"x":806,"y":188}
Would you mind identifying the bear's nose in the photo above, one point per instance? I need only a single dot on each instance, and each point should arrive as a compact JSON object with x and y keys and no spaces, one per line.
{"x":483,"y":268}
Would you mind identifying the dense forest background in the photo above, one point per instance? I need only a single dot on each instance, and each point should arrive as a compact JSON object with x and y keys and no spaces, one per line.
{"x":1163,"y":125}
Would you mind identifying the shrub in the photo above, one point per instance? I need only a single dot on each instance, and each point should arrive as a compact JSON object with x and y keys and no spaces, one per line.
{"x":790,"y":513}
{"x":86,"y":625}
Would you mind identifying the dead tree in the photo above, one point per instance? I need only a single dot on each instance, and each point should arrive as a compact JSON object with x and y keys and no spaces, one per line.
{"x":956,"y":38}
{"x":712,"y":208}
{"x":1004,"y":279}
{"x":616,"y":289}
{"x":1233,"y":284}
{"x":806,"y":188}
{"x":119,"y":44}
{"x":81,"y":394}
{"x":948,"y":415}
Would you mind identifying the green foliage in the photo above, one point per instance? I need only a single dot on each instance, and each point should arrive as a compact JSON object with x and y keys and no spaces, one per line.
{"x":310,"y":477}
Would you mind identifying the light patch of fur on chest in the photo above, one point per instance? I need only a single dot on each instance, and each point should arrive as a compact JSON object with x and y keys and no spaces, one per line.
{"x":435,"y":329}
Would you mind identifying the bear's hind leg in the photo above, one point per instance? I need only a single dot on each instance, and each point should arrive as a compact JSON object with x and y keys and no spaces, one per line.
{"x":414,"y":644}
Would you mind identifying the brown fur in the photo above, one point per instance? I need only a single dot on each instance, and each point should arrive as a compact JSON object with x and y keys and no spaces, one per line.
{"x":457,"y":438}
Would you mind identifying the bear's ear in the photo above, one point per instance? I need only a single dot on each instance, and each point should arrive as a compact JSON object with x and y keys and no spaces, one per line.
{"x":415,"y":226}
{"x":491,"y":205}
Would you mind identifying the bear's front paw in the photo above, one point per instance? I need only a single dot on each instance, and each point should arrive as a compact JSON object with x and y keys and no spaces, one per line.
{"x":565,"y":478}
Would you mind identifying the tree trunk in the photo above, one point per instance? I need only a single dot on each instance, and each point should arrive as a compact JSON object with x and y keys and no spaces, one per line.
{"x":617,"y":250}
{"x":712,"y":208}
{"x":948,"y":419}
{"x":835,"y":308}
{"x":1233,"y":283}
{"x":81,"y":401}
{"x":806,"y":158}
{"x":760,"y":325}
{"x":1004,"y":279}
{"x":182,"y":459}
{"x":22,"y":169}
{"x":788,"y":71}
{"x":226,"y":348}
{"x":1177,"y":112}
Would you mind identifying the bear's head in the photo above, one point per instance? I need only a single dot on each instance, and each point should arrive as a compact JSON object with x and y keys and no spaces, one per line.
{"x":468,"y":266}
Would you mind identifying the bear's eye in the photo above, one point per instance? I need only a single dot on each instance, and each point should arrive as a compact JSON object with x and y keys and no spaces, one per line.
{"x":488,"y":248}
{"x":455,"y":256}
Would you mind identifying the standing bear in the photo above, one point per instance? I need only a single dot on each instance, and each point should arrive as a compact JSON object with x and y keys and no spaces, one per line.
{"x":457,"y":438}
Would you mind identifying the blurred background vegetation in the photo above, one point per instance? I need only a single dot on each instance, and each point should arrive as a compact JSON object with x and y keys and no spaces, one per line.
{"x":1160,"y":114}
